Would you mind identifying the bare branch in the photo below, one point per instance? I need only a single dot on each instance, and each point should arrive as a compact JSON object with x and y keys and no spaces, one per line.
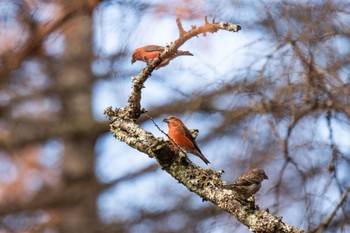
{"x":326,"y":222}
{"x":140,"y":79}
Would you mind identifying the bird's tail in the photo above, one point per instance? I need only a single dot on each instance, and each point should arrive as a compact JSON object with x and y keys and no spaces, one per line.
{"x":200,"y":155}
{"x":183,"y":53}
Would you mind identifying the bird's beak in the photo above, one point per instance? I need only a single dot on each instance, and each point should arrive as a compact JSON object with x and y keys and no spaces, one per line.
{"x":133,"y":61}
{"x":266,"y":177}
{"x":166,"y":120}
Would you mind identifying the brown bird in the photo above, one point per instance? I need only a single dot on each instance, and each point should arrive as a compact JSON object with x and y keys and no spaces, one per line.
{"x":149,"y":52}
{"x":248,"y":184}
{"x":181,"y":137}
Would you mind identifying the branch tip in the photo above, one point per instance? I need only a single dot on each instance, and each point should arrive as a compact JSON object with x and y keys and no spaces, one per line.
{"x":179,"y":26}
{"x":206,"y":20}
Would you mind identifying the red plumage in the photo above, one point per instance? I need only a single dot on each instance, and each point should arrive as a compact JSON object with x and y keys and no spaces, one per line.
{"x":181,"y":137}
{"x":149,"y":52}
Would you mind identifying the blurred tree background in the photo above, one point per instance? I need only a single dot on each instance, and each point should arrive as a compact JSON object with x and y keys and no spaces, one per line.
{"x":276,"y":95}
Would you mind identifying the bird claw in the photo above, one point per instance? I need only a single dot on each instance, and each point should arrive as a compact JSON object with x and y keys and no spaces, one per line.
{"x":242,"y":201}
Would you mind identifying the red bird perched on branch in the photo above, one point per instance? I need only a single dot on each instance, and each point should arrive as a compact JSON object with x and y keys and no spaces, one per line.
{"x":181,"y":137}
{"x":248,"y":184}
{"x":149,"y":52}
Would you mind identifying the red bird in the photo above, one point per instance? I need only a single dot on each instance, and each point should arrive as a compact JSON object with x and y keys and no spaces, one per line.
{"x":149,"y":52}
{"x":248,"y":184}
{"x":181,"y":136}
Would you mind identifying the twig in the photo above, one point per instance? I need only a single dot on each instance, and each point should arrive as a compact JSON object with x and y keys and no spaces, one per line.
{"x":151,"y":118}
{"x":179,"y":26}
{"x":206,"y":20}
{"x":326,"y":222}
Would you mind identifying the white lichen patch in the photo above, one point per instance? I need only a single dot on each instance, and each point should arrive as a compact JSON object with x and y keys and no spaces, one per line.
{"x":229,"y":26}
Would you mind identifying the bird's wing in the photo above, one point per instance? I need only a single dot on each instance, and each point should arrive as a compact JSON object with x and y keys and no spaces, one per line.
{"x":187,"y":133}
{"x":243,"y":182}
{"x":189,"y":136}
